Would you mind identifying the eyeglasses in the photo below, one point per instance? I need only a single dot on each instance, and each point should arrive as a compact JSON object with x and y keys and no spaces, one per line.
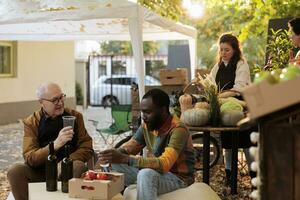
{"x":56,"y":100}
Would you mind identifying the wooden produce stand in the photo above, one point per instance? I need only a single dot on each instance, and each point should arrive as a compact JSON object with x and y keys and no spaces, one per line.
{"x":279,"y":154}
{"x":276,"y":108}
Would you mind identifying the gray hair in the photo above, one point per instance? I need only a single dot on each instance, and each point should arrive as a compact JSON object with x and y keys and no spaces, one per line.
{"x":42,"y":89}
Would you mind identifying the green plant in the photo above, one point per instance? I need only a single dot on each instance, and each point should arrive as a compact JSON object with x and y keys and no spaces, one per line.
{"x":78,"y":92}
{"x":210,"y":94}
{"x":214,"y":108}
{"x":278,"y":49}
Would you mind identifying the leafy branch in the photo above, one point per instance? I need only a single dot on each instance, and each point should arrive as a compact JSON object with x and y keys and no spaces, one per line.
{"x":278,"y":49}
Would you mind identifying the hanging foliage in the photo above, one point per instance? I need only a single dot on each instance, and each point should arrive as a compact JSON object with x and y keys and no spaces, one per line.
{"x":246,"y":19}
{"x":167,"y":8}
{"x":278,"y":49}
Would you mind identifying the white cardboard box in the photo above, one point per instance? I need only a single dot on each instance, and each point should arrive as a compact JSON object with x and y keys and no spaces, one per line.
{"x":96,"y":189}
{"x":265,"y":98}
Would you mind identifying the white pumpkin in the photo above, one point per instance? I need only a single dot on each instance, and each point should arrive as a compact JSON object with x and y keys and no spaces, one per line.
{"x":231,"y":118}
{"x":195,"y":117}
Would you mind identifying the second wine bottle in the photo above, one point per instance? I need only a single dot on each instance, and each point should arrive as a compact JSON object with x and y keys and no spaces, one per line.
{"x":51,"y":169}
{"x":66,"y":170}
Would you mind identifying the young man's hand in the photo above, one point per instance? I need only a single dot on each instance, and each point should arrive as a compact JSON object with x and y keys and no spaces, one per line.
{"x":112,"y":156}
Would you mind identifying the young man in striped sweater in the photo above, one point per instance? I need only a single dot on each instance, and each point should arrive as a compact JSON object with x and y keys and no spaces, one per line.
{"x":171,"y":163}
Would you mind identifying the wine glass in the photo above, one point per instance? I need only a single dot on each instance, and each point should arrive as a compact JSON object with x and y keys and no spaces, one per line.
{"x":103,"y":166}
{"x":69,"y":121}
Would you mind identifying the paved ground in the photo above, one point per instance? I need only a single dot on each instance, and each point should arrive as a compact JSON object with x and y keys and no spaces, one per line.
{"x":11,"y":148}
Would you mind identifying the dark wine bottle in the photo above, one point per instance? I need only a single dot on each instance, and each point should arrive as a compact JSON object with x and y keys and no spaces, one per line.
{"x":51,"y":169}
{"x":66,"y":170}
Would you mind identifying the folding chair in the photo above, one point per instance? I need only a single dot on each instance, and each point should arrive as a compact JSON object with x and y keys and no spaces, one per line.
{"x":122,"y":118}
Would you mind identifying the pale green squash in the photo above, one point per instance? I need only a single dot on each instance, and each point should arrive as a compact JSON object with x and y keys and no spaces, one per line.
{"x":195,"y":117}
{"x":231,"y":118}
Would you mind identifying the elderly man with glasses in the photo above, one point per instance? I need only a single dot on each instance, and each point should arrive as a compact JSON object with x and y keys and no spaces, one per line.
{"x":40,"y":128}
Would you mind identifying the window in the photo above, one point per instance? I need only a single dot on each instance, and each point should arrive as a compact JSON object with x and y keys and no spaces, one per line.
{"x":108,"y":81}
{"x":7,"y":59}
{"x":119,"y":67}
{"x":120,"y":80}
{"x":153,"y":67}
{"x":101,"y":67}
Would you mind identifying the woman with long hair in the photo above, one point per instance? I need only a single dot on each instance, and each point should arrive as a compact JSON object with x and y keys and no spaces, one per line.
{"x":231,"y":72}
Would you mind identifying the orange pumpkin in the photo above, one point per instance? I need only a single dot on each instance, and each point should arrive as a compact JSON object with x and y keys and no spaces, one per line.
{"x":203,"y":105}
{"x":186,"y":102}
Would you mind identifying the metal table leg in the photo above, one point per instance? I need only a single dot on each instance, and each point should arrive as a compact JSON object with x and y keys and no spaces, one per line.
{"x":206,"y":150}
{"x":234,"y":164}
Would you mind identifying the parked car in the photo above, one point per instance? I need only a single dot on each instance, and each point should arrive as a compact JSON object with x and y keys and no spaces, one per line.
{"x":108,"y":90}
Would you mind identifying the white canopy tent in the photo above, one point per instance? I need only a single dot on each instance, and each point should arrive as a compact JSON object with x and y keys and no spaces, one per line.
{"x":92,"y":20}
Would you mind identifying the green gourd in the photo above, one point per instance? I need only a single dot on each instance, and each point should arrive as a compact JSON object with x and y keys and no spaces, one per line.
{"x":230,"y":106}
{"x":224,"y":100}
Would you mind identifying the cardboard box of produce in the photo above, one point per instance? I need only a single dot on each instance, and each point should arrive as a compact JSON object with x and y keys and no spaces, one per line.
{"x":265,"y":98}
{"x":97,"y":189}
{"x":177,"y":76}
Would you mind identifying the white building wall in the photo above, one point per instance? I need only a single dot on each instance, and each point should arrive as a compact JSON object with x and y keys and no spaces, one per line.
{"x":40,"y":62}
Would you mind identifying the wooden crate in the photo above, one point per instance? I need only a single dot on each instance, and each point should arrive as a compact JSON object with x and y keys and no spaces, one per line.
{"x":266,"y":98}
{"x":96,"y":189}
{"x":177,"y":76}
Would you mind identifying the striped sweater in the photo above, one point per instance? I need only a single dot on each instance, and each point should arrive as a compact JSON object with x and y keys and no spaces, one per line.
{"x":170,"y":147}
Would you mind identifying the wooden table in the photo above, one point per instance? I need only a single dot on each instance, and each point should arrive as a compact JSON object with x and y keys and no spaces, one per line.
{"x":37,"y":191}
{"x":206,"y":134}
